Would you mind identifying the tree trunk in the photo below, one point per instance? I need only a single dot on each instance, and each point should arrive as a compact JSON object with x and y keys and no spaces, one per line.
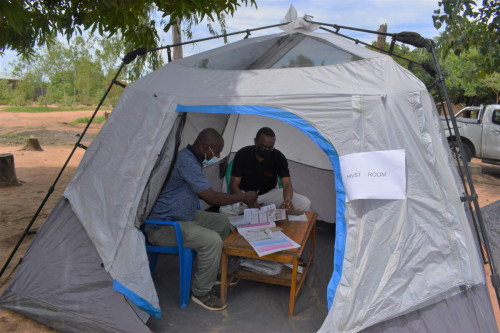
{"x":8,"y":171}
{"x":381,"y":38}
{"x":176,"y":39}
{"x":32,"y":144}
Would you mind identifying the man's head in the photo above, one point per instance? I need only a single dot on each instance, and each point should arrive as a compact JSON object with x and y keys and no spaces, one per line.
{"x":209,"y":143}
{"x":264,"y":142}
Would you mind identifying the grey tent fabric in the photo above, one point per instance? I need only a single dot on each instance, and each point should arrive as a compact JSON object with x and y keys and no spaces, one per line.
{"x":61,"y":282}
{"x":468,"y":311}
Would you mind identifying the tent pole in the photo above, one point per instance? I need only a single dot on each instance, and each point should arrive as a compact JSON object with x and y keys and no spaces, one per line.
{"x":26,"y":231}
{"x":247,"y":32}
{"x":477,"y":210}
{"x":357,"y":41}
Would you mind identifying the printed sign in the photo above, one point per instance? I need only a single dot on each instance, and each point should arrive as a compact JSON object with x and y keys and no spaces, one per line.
{"x":374,"y":175}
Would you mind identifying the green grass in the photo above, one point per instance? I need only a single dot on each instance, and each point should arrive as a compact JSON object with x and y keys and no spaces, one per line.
{"x":39,"y":109}
{"x":84,"y":120}
{"x":11,"y":136}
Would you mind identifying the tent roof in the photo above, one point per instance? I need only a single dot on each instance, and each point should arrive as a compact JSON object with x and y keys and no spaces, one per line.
{"x":299,"y":49}
{"x":281,"y":65}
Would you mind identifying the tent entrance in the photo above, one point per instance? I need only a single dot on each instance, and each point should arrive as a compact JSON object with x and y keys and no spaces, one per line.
{"x":313,"y":161}
{"x":239,"y":125}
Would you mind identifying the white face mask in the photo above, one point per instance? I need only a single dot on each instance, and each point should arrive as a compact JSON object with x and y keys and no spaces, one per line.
{"x":210,"y":161}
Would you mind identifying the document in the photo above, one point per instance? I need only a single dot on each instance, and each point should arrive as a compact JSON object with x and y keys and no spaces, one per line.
{"x":256,"y":226}
{"x":297,"y":218}
{"x":374,"y":175}
{"x":237,"y":220}
{"x":267,"y":244}
{"x":263,"y":217}
{"x":252,"y":235}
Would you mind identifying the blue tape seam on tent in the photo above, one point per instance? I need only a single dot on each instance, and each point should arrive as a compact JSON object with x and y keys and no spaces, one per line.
{"x":313,"y":133}
{"x":137,"y":300}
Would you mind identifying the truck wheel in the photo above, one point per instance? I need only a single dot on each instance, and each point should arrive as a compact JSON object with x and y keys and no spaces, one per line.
{"x":467,"y":150}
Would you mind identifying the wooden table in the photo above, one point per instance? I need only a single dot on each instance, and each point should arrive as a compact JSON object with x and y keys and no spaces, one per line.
{"x":300,"y":232}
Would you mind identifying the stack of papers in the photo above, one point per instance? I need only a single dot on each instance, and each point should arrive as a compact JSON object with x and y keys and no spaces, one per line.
{"x":263,"y":217}
{"x":239,"y":222}
{"x":265,"y":214}
{"x":266,"y":242}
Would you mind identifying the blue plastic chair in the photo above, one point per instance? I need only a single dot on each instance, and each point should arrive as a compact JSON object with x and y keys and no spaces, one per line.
{"x":185,"y":259}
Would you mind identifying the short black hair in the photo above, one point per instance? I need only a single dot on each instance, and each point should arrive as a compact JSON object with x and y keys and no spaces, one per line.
{"x":265,"y":131}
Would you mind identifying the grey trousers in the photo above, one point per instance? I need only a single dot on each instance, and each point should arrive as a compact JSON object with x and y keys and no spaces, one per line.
{"x":204,"y":235}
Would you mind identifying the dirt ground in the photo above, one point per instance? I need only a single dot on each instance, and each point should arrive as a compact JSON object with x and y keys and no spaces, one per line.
{"x":38,"y":170}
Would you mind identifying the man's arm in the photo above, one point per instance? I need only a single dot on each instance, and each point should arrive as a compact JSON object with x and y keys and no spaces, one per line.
{"x":221,"y":199}
{"x":234,"y":185}
{"x":287,"y":193}
{"x":234,"y":188}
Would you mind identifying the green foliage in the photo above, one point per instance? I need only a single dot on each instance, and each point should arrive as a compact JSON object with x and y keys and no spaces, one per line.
{"x":84,"y":120}
{"x":470,"y":24}
{"x":5,"y":91}
{"x":469,"y":48}
{"x":28,"y":109}
{"x":466,"y":81}
{"x":77,"y":73}
{"x":492,"y":82}
{"x":28,"y":24}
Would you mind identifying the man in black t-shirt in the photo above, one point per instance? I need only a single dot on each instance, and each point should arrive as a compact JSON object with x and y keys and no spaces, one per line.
{"x":255,"y":168}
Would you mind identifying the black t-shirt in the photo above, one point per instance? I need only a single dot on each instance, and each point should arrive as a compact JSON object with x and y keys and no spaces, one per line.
{"x":259,"y":176}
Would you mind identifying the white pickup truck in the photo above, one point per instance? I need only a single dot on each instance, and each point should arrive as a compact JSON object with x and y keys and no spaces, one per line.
{"x":479,"y":128}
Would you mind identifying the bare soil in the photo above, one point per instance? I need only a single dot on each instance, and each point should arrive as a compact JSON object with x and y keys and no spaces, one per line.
{"x":38,"y":170}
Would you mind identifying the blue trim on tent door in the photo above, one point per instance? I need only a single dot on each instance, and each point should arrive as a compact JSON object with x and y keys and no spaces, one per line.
{"x":315,"y":135}
{"x":137,"y":300}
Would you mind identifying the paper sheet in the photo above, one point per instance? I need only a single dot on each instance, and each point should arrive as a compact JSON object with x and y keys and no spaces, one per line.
{"x":297,"y":218}
{"x":374,"y":175}
{"x":279,"y":242}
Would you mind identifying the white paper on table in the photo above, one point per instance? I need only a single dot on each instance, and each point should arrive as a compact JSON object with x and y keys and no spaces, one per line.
{"x":262,"y":215}
{"x":279,"y":242}
{"x":268,"y":207}
{"x":297,"y":218}
{"x":251,"y":215}
{"x":277,"y":215}
{"x":374,"y":175}
{"x":257,"y":226}
{"x":237,"y":220}
{"x":256,"y":234}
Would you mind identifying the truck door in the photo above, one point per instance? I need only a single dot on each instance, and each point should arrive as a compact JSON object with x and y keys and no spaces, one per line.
{"x":491,"y":134}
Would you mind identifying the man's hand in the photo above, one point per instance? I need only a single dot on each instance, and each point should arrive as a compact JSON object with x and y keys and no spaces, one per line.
{"x":250,"y":198}
{"x":255,"y":204}
{"x":287,"y":204}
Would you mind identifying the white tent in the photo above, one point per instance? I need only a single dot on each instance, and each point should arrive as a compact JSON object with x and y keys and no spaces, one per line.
{"x":325,"y":97}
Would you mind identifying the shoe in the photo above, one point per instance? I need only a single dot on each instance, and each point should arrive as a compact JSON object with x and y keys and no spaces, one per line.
{"x":209,"y":301}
